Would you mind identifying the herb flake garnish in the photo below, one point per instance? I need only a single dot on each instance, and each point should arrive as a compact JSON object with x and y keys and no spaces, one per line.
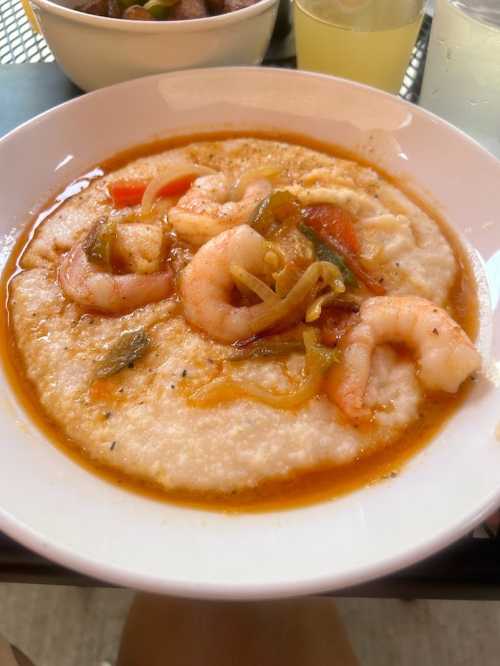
{"x":130,"y":347}
{"x":98,"y":244}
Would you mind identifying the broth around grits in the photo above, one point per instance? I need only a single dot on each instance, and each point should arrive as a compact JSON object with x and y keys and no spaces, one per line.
{"x":241,"y":322}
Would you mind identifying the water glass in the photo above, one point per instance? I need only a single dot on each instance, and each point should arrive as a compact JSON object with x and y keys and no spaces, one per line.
{"x":462,"y":75}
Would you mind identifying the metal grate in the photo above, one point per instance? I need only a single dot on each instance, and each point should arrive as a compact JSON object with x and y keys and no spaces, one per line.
{"x":412,"y":82}
{"x":18,"y":42}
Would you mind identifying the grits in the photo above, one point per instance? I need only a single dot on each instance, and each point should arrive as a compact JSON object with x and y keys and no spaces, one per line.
{"x":138,"y":421}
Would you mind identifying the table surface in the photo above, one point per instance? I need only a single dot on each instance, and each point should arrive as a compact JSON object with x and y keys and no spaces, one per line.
{"x":468,"y":570}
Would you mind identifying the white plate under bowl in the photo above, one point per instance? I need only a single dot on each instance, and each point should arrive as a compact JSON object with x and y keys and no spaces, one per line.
{"x":50,"y":504}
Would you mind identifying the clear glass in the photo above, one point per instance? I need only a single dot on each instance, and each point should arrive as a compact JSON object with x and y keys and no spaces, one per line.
{"x":365,"y":40}
{"x":462,"y":74}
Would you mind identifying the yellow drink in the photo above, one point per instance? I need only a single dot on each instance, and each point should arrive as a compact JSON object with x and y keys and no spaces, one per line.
{"x":366,"y":40}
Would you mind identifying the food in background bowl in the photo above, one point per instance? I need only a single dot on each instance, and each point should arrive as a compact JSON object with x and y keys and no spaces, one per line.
{"x":162,"y":10}
{"x":243,"y":320}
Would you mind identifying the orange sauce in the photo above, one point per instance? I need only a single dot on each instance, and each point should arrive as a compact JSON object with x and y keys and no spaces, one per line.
{"x":299,"y":489}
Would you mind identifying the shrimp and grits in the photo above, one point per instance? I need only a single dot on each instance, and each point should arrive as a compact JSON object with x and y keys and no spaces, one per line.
{"x":229,"y":317}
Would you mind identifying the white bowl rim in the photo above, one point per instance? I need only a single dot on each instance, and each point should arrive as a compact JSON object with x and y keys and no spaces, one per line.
{"x":121,"y":576}
{"x":312,"y":584}
{"x":186,"y":25}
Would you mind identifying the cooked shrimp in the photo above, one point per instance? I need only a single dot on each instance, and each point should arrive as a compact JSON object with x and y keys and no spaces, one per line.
{"x":207,"y":284}
{"x":85,"y":284}
{"x":445,"y":355}
{"x":205,"y":210}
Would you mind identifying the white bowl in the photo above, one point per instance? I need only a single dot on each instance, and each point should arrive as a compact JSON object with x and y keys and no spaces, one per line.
{"x":62,"y":511}
{"x":95,"y":51}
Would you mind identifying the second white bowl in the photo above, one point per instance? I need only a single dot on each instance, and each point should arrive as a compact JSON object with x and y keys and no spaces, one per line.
{"x":96,"y":51}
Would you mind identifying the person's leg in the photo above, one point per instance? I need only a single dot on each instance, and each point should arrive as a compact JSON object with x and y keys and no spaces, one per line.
{"x":302,"y":632}
{"x":22,"y":659}
{"x":11,"y":656}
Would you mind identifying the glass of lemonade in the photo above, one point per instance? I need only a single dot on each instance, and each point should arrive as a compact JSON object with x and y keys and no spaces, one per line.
{"x":366,"y":40}
{"x":462,"y":74}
